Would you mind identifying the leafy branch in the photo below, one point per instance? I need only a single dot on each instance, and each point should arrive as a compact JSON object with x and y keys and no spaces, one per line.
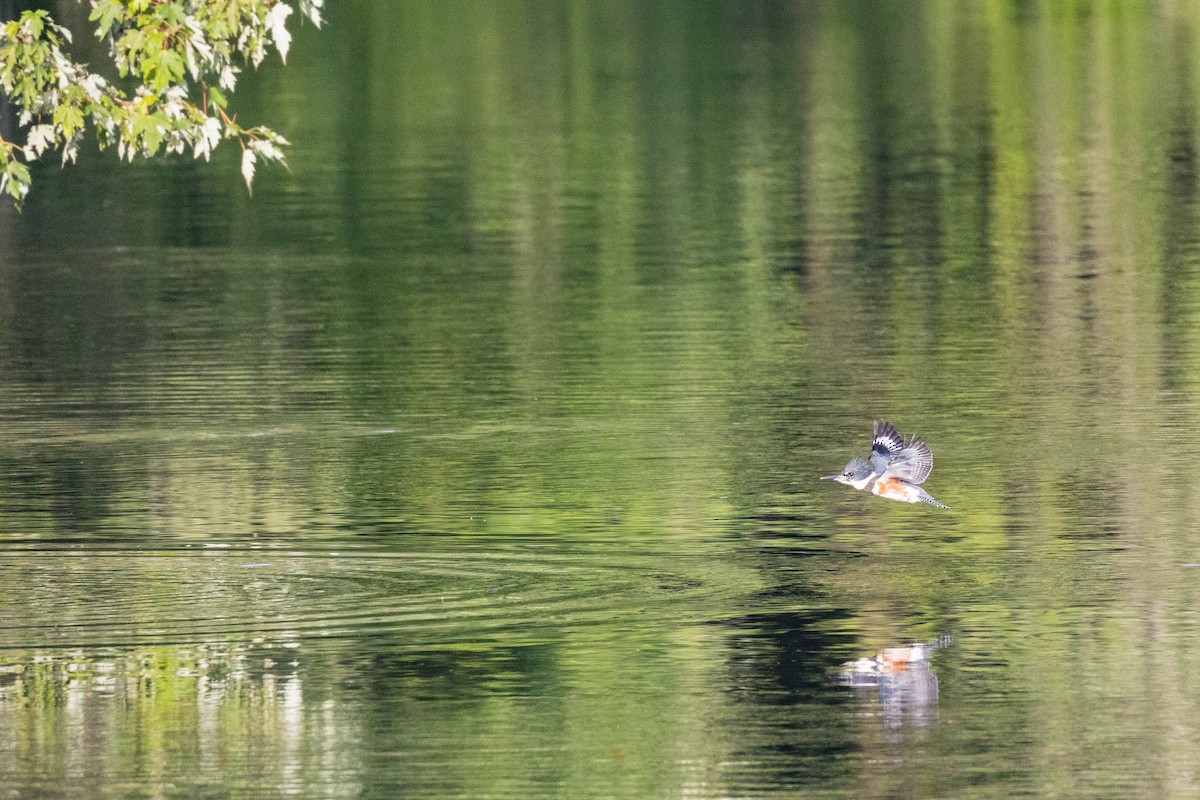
{"x":184,"y":57}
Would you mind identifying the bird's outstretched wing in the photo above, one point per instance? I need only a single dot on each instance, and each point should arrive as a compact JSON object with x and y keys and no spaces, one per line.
{"x":885,"y":444}
{"x":911,"y":461}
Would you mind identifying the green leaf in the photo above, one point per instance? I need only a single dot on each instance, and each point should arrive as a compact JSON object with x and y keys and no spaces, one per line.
{"x":217,"y":97}
{"x":171,"y":12}
{"x":35,"y":21}
{"x":15,"y":181}
{"x":70,"y":118}
{"x":149,"y":130}
{"x":107,"y":13}
{"x":167,"y":69}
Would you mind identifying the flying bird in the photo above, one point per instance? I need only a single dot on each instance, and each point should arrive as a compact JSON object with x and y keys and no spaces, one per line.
{"x":896,"y":470}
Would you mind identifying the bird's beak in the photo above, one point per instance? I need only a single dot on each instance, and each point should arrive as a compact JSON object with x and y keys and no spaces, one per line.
{"x":830,"y":477}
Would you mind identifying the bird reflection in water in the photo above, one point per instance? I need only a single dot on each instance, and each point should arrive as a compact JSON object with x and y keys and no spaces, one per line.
{"x":902,"y":677}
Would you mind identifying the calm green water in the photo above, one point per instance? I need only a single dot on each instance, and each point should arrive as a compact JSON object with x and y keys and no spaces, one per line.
{"x":477,"y":456}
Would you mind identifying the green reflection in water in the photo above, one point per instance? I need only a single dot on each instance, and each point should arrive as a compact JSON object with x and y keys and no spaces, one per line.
{"x":601,"y":288}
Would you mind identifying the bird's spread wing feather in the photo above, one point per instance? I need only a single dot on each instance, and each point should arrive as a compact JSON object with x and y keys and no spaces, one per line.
{"x":910,"y":461}
{"x":913,"y":463}
{"x":885,"y":445}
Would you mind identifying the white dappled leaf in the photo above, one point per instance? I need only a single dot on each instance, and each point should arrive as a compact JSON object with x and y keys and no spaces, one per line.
{"x":41,"y":137}
{"x":209,"y":136}
{"x":70,"y":150}
{"x":248,"y":159}
{"x":276,"y":23}
{"x":267,"y":150}
{"x":312,"y":10}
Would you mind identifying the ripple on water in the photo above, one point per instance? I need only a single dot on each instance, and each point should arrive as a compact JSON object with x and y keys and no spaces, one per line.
{"x":62,"y":596}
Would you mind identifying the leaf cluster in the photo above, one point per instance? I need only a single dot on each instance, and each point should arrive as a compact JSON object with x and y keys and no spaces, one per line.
{"x":183,"y":58}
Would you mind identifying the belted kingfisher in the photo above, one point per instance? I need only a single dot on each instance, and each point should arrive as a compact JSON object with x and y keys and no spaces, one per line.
{"x":895,"y":470}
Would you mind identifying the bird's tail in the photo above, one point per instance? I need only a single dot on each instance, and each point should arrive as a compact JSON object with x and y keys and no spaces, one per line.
{"x":928,"y":498}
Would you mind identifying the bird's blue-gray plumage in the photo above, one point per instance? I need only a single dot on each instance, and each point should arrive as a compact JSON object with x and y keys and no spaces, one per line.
{"x":857,"y":469}
{"x":893,"y":457}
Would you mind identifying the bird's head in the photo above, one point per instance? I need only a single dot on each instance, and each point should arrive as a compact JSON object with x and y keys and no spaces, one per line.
{"x":856,"y":474}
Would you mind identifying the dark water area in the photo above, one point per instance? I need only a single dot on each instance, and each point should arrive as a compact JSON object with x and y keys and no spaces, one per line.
{"x":477,"y":455}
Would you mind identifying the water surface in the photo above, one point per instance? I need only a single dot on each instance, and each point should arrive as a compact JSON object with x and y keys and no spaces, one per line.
{"x":477,"y":455}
